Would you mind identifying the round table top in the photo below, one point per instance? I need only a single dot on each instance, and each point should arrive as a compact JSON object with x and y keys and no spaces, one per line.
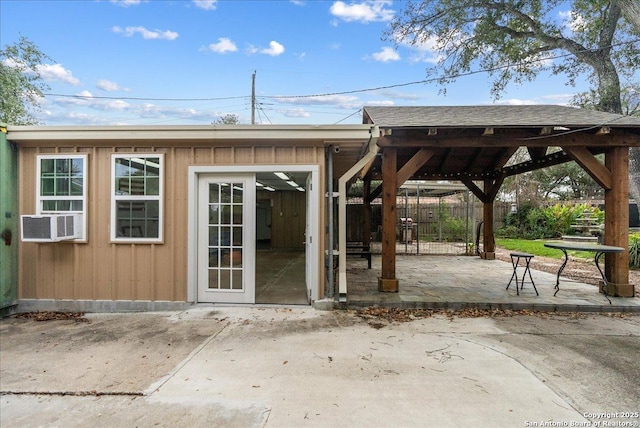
{"x":583,"y":246}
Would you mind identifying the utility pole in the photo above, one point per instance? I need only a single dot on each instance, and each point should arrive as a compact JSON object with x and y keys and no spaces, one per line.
{"x":253,"y":98}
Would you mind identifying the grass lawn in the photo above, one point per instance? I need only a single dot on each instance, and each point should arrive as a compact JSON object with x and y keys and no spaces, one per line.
{"x":536,"y":247}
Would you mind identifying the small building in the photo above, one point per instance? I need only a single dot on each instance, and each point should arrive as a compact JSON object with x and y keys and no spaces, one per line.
{"x":163,"y":216}
{"x":160,"y":217}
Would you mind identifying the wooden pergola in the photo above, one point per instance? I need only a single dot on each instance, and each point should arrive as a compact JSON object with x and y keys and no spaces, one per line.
{"x":473,"y":144}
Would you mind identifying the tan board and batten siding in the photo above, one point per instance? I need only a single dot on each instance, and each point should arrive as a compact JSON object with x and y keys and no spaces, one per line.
{"x":102,"y":270}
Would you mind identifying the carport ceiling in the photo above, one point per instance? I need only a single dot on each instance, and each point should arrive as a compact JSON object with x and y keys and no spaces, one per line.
{"x":270,"y":179}
{"x":477,"y":142}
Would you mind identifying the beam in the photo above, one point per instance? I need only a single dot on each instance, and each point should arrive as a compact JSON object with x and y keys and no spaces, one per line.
{"x":474,"y":189}
{"x":367,"y":168}
{"x":583,"y":157}
{"x":488,"y":240}
{"x":504,"y":157}
{"x":616,"y":222}
{"x":388,"y":281}
{"x":374,"y":193}
{"x":407,"y":170}
{"x":617,"y":138}
{"x":366,"y":216}
{"x":495,"y":188}
{"x":413,"y":165}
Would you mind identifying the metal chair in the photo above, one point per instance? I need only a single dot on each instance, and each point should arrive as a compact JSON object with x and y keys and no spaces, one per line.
{"x":515,"y":261}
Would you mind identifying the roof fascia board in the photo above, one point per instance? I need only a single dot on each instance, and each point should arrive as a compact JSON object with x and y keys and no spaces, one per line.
{"x":324,"y":133}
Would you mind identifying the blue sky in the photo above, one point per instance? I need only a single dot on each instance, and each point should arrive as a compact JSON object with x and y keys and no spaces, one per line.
{"x":132,"y":58}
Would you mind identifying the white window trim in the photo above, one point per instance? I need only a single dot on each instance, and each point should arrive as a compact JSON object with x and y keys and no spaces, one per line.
{"x":85,"y":186}
{"x":114,"y":198}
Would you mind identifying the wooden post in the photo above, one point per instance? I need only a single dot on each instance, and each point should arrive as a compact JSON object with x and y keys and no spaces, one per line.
{"x":616,"y":223}
{"x":488,"y":241}
{"x":366,"y":215}
{"x":388,"y":282}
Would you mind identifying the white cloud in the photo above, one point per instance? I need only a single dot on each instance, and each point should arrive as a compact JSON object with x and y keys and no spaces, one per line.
{"x":112,"y":105}
{"x":127,"y":3}
{"x":206,"y":4}
{"x":341,"y":101}
{"x":366,"y":11}
{"x":516,"y":102}
{"x":224,"y":45}
{"x":385,"y":103}
{"x":274,"y":49}
{"x":386,"y":54}
{"x":107,"y":85}
{"x":296,"y":112}
{"x":297,"y":2}
{"x":251,"y":49}
{"x":400,"y":95}
{"x":83,"y":98}
{"x":145,"y":33}
{"x":56,"y":72}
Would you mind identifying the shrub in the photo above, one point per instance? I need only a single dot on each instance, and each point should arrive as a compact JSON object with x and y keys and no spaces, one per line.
{"x":551,"y":222}
{"x":634,"y":250}
{"x":510,"y":232}
{"x":454,"y":229}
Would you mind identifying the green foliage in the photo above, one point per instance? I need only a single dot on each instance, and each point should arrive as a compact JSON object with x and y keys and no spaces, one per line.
{"x":629,"y":96}
{"x":227,"y":119}
{"x":537,"y":248}
{"x":454,"y":229}
{"x":551,"y":222}
{"x":634,"y":250}
{"x":509,"y":231}
{"x":512,"y":38}
{"x":566,"y":181}
{"x":21,"y":85}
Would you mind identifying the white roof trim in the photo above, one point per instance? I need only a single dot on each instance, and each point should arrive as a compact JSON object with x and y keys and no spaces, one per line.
{"x":326,"y":133}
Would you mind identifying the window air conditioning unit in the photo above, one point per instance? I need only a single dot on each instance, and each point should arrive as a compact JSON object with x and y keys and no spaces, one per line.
{"x":50,"y":228}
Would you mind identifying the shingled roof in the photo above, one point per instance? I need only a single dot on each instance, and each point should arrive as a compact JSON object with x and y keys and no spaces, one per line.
{"x":494,"y":116}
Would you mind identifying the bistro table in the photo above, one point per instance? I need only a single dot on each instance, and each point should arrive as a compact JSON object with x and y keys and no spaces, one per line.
{"x":600,"y":250}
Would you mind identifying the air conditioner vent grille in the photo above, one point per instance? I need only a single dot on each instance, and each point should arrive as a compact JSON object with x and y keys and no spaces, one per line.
{"x":36,"y":228}
{"x":50,"y":228}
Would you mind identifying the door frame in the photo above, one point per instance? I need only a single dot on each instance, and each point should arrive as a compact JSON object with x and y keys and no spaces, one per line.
{"x":313,"y":208}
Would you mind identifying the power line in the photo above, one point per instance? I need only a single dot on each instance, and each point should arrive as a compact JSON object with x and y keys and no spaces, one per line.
{"x":354,"y":91}
{"x":89,"y":97}
{"x":434,"y":79}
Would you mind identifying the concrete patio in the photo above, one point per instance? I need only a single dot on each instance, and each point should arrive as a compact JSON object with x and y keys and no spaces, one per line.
{"x":457,"y":282}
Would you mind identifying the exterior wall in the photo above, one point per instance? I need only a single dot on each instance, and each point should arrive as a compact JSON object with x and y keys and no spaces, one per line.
{"x":101,"y":270}
{"x":8,"y":223}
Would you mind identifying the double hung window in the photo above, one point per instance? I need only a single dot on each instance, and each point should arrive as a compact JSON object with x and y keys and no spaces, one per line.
{"x":136,"y":197}
{"x":62,"y":186}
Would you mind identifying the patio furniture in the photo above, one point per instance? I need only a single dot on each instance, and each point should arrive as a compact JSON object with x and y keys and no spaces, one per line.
{"x":515,"y":261}
{"x":599,"y":251}
{"x":358,"y":249}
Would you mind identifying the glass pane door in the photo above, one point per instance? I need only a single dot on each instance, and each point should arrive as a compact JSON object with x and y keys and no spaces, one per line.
{"x":225,"y":240}
{"x":225,"y":224}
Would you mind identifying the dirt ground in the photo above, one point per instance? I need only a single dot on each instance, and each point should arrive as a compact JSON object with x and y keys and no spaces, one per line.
{"x":577,"y":269}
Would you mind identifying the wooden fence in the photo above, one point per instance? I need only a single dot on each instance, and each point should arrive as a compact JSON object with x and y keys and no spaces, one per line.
{"x":440,"y":227}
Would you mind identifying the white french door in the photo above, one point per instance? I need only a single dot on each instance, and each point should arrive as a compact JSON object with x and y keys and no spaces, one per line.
{"x":226,"y":238}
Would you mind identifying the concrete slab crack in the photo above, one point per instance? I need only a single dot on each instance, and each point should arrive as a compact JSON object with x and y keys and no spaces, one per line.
{"x":156,"y":386}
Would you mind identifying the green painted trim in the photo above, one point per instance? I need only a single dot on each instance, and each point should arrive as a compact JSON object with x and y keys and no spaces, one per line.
{"x":8,"y":221}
